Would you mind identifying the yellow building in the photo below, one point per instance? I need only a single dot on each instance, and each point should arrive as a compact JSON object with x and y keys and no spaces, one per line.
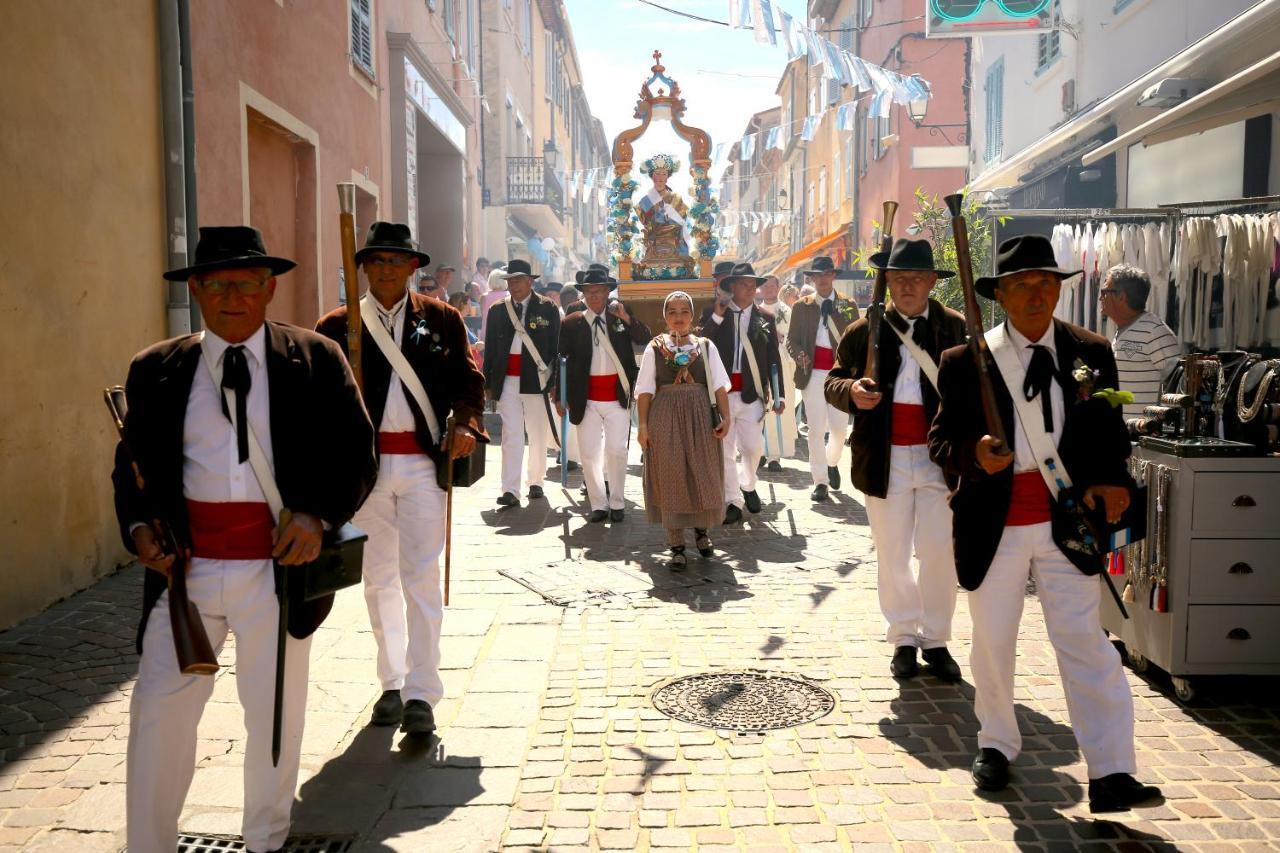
{"x":84,"y":243}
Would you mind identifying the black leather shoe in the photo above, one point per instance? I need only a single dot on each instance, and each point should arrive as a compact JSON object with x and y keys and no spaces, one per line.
{"x":941,"y":664}
{"x":703,"y":542}
{"x":616,"y":515}
{"x":418,"y":718}
{"x":1120,"y":792}
{"x":535,"y":492}
{"x":574,"y":466}
{"x":388,"y":710}
{"x":732,"y":515}
{"x":833,"y":476}
{"x":774,"y":465}
{"x":991,"y":770}
{"x":508,"y":499}
{"x":597,"y":516}
{"x":752,"y":500}
{"x":760,"y":465}
{"x":820,"y":492}
{"x":904,"y":663}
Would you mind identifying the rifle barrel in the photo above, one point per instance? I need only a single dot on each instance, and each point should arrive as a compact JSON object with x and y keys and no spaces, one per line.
{"x":351,"y":278}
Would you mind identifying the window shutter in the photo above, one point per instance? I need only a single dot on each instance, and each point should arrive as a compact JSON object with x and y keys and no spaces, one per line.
{"x":362,"y":34}
{"x":995,"y":111}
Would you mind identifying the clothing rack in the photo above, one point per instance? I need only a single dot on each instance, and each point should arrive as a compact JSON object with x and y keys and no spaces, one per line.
{"x":1149,"y":214}
{"x":1227,"y":205}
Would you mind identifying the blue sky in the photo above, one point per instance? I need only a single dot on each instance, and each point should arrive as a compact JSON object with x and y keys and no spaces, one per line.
{"x":724,"y":75}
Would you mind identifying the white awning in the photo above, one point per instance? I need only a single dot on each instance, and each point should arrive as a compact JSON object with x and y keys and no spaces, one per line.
{"x":1244,"y":40}
{"x":1245,"y":94}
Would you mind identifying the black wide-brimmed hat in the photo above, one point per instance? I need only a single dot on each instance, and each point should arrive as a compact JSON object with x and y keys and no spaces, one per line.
{"x":908,"y":255}
{"x":594,"y":274}
{"x":722,"y":268}
{"x":517,"y":267}
{"x":822,"y":264}
{"x":738,"y":271}
{"x":225,"y":247}
{"x":392,"y":237}
{"x":1028,"y":253}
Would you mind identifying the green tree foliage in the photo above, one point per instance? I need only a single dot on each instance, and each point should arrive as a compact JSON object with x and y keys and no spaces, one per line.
{"x":932,"y":221}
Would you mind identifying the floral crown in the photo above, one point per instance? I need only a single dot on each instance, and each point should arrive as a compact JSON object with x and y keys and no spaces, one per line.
{"x":661,"y":162}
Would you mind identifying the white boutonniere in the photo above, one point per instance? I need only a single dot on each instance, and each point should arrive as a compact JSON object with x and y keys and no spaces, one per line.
{"x":618,"y":327}
{"x":422,"y":333}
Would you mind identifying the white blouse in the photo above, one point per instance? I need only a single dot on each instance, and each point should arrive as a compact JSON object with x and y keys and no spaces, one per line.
{"x":647,"y":381}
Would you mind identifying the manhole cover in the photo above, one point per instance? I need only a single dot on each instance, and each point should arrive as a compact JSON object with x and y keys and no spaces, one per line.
{"x":743,"y":701}
{"x":188,"y":843}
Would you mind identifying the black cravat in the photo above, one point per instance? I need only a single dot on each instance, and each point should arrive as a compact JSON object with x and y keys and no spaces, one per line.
{"x":920,"y":332}
{"x":1039,"y":380}
{"x":520,"y":311}
{"x":826,"y":308}
{"x":597,"y":326}
{"x":235,"y":377}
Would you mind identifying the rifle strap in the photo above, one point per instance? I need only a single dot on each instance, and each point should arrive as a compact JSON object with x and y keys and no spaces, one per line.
{"x":408,"y":376}
{"x":926,"y":362}
{"x":750,"y":353}
{"x":544,"y":369}
{"x":1040,"y":441}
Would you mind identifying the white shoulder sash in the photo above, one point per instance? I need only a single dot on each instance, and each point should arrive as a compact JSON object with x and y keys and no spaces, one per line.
{"x":400,"y":364}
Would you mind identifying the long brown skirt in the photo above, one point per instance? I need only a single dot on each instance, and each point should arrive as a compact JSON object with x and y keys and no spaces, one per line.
{"x":683,"y":468}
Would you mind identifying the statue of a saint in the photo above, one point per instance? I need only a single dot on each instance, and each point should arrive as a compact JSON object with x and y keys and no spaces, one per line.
{"x":662,"y":219}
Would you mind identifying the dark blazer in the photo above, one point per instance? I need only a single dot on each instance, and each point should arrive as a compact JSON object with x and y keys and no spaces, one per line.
{"x":802,"y":334}
{"x":542,"y":320}
{"x":1094,"y":443}
{"x":763,"y":338}
{"x":575,"y":343}
{"x":434,"y":341}
{"x":321,"y":438}
{"x":869,"y":467}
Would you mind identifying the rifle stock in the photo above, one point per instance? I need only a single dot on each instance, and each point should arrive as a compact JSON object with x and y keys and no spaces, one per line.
{"x":351,"y":277}
{"x":973,"y":323}
{"x":875,"y":312}
{"x":190,"y":642}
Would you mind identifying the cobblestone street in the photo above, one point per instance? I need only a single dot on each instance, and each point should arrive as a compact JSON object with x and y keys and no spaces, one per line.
{"x":557,"y":636}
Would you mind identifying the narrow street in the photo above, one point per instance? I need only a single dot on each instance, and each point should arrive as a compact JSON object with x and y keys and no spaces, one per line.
{"x":557,"y":635}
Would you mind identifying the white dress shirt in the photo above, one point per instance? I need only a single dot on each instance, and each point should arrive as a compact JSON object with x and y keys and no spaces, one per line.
{"x":744,"y":325}
{"x":823,"y":338}
{"x":906,"y":388}
{"x":396,"y":415}
{"x":211,"y":470}
{"x":517,"y":342}
{"x":601,"y":363}
{"x":1024,"y":459}
{"x":647,"y":380}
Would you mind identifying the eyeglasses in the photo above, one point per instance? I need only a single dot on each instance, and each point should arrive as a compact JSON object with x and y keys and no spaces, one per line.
{"x":386,"y":260}
{"x":243,"y":286}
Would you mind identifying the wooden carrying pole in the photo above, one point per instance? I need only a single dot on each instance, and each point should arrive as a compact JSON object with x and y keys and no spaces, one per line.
{"x":973,"y":323}
{"x":875,"y":311}
{"x":351,"y":276}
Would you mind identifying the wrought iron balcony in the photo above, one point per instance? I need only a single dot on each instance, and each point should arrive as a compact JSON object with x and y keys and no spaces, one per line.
{"x":529,"y":181}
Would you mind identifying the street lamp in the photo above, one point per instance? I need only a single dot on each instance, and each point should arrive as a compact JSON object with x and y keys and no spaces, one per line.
{"x":918,"y":107}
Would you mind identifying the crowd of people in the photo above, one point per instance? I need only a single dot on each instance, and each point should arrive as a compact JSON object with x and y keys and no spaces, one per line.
{"x":249,"y":414}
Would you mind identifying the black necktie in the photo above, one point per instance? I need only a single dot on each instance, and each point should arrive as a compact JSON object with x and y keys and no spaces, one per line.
{"x":826,"y":309}
{"x":597,"y":326}
{"x":1039,"y":379}
{"x":920,"y":332}
{"x":235,"y":377}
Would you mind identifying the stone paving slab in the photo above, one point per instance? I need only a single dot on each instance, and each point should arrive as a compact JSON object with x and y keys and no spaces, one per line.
{"x":549,"y":740}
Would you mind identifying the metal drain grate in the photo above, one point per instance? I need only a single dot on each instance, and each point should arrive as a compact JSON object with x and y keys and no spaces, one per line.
{"x":743,"y":701}
{"x":233,"y":844}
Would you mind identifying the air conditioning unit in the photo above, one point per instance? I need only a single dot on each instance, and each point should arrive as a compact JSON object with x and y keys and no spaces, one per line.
{"x":1172,"y":91}
{"x":1069,"y":97}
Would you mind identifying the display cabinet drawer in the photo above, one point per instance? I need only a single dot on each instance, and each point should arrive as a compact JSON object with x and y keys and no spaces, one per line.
{"x":1233,"y":634}
{"x":1247,"y":504}
{"x":1235,"y":571}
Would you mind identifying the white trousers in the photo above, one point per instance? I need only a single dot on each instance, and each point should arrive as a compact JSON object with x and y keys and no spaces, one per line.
{"x":521,"y":414}
{"x":824,"y":419}
{"x":1098,"y":699}
{"x":745,"y":439}
{"x":404,"y":517}
{"x":236,"y":596}
{"x":917,"y":607}
{"x":603,"y":433}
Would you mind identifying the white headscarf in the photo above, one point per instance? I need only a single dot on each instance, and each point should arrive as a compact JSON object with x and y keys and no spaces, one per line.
{"x":677,"y":294}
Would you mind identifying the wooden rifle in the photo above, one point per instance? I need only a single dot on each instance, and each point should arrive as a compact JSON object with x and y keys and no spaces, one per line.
{"x":351,"y":277}
{"x":875,"y":312}
{"x":447,"y":443}
{"x":973,"y":324}
{"x":190,"y":642}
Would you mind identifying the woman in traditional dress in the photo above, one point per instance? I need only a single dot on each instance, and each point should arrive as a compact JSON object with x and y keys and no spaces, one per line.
{"x":683,"y":469}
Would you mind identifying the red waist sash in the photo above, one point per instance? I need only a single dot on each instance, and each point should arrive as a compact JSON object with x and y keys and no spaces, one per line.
{"x":603,"y":388}
{"x":735,"y":382}
{"x":230,"y":530}
{"x":1029,"y":501}
{"x":908,"y":426}
{"x":513,"y":364}
{"x":402,"y":443}
{"x":823,"y":358}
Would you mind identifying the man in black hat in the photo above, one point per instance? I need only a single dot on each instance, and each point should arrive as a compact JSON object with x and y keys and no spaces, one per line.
{"x":722,"y":293}
{"x":520,"y":369}
{"x":601,"y":374}
{"x":290,"y":391}
{"x":906,"y":494}
{"x":1004,"y":508}
{"x":817,"y":324}
{"x":577,"y":303}
{"x":405,"y":514}
{"x":747,"y":341}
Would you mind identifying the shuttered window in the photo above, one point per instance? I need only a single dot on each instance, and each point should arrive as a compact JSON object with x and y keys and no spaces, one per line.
{"x":995,"y":111}
{"x":362,"y":35}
